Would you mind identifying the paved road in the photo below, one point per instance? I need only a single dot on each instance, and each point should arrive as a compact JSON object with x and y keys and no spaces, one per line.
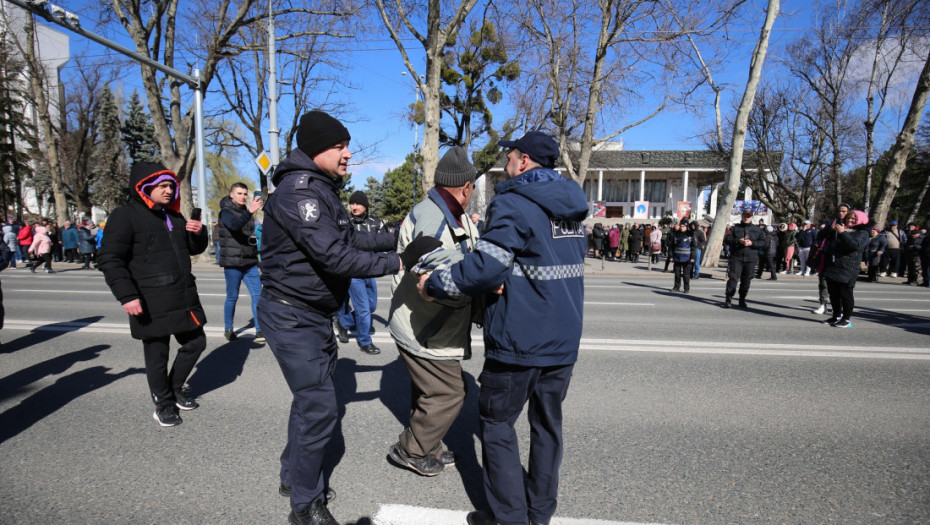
{"x":679,"y":412}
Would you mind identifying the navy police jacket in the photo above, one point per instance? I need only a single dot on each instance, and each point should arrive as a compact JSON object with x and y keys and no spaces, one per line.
{"x":534,"y":244}
{"x":310,"y":251}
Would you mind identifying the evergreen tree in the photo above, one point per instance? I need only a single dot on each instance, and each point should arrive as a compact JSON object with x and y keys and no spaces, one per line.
{"x":109,"y":169}
{"x":139,"y":132}
{"x":18,"y":137}
{"x":398,"y":187}
{"x":375,"y":192}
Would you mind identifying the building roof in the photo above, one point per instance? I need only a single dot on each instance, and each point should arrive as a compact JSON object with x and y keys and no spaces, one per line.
{"x":660,"y":160}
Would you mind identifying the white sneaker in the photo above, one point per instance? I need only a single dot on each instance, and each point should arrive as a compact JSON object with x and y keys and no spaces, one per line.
{"x":894,"y":274}
{"x":820,"y":309}
{"x":883,"y":274}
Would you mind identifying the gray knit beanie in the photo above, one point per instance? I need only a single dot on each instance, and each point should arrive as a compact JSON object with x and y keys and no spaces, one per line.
{"x":453,"y":169}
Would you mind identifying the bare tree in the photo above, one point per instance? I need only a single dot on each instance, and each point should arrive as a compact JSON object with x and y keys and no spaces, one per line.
{"x":207,"y":29}
{"x":822,"y":63}
{"x":731,"y":185}
{"x":889,"y":27}
{"x":438,"y":32}
{"x":305,"y":40}
{"x":902,"y":146}
{"x":48,"y":129}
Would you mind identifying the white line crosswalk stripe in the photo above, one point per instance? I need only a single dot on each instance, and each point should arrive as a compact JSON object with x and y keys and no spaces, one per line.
{"x":410,"y":515}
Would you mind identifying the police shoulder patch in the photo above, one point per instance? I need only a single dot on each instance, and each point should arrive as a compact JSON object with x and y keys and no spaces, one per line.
{"x":309,"y":210}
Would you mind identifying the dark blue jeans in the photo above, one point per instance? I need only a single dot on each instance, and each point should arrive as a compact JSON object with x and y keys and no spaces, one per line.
{"x":364,"y":296}
{"x":235,"y":276}
{"x":505,"y":389}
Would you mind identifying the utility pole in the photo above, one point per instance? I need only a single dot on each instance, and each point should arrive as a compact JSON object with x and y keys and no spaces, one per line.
{"x":273,"y":131}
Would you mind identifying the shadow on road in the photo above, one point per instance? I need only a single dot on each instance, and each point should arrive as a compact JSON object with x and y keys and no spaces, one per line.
{"x":220,"y":367}
{"x":460,"y":439}
{"x":14,"y":383}
{"x":53,"y":397}
{"x":47,"y":332}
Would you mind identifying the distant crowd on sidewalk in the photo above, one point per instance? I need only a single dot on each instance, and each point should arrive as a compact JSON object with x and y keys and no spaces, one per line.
{"x":40,"y":242}
{"x":891,"y":251}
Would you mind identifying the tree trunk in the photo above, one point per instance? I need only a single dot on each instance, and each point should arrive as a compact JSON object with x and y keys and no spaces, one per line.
{"x":902,"y":147}
{"x":920,"y":200}
{"x":37,"y":74}
{"x":731,"y":186}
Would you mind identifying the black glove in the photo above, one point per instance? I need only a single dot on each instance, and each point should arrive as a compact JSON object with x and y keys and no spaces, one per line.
{"x":418,"y":248}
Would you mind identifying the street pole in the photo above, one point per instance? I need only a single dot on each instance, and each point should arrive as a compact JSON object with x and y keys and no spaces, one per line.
{"x":273,"y":131}
{"x":198,"y":145}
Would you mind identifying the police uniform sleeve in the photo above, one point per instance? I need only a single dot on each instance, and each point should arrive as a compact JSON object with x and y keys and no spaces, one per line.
{"x":484,"y":269}
{"x":313,"y":218}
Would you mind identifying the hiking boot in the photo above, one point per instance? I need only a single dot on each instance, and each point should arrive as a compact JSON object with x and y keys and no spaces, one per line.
{"x":184,"y":402}
{"x":820,"y":309}
{"x":329,"y":493}
{"x":315,"y":513}
{"x":167,"y":416}
{"x":259,"y":338}
{"x":425,"y":466}
{"x":370,"y":349}
{"x":230,"y":335}
{"x":341,"y":333}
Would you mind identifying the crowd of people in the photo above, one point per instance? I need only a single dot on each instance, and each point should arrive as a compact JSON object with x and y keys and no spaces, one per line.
{"x":40,"y":242}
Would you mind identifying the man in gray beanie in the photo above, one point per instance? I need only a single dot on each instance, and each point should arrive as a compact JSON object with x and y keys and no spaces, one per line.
{"x":434,"y":337}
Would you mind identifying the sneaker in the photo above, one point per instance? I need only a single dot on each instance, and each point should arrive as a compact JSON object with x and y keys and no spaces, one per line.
{"x":884,"y":274}
{"x":893,"y":274}
{"x":184,"y":402}
{"x":831,"y":321}
{"x":341,"y":333}
{"x":167,"y":417}
{"x":727,"y":304}
{"x":425,"y":466}
{"x":370,"y":349}
{"x":820,"y":309}
{"x":315,"y":513}
{"x":447,"y":458}
{"x":843,"y":323}
{"x":230,"y":335}
{"x":742,"y":303}
{"x":259,"y":338}
{"x":675,"y":290}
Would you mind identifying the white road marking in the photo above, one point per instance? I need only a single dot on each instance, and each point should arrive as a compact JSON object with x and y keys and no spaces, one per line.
{"x":814,"y":298}
{"x":587,"y":344}
{"x":105,"y":292}
{"x":410,"y":515}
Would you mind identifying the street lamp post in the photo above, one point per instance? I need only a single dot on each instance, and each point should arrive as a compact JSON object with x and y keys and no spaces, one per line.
{"x":416,"y":132}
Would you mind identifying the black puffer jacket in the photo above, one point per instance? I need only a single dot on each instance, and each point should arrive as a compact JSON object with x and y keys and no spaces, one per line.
{"x":848,"y":247}
{"x":141,"y":258}
{"x":234,"y":231}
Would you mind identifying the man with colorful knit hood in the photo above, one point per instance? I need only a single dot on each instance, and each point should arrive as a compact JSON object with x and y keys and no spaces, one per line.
{"x":146,"y":260}
{"x":534,"y":245}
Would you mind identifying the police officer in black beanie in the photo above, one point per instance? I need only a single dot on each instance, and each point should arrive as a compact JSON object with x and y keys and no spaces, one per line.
{"x":310,"y":252}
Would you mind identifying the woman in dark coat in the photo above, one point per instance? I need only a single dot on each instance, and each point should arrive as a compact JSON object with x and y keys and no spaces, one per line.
{"x":841,"y":272}
{"x":145,"y":257}
{"x":87,"y":245}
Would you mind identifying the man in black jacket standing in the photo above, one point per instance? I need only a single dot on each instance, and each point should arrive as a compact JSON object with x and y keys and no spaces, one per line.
{"x":146,"y":260}
{"x":362,"y":291}
{"x":310,"y":252}
{"x":235,"y":232}
{"x":744,"y":241}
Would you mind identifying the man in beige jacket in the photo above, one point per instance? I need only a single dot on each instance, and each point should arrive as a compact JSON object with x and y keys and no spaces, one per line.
{"x":433,"y":337}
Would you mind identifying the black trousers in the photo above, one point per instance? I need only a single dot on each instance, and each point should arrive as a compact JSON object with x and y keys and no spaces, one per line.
{"x":162,"y":382}
{"x":739,"y":272}
{"x":841,"y":298}
{"x":683,"y":271}
{"x":767,"y":262}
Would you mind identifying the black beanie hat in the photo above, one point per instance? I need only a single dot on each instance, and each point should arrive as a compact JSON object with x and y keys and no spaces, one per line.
{"x":453,"y":169}
{"x":359,"y":197}
{"x":318,"y":130}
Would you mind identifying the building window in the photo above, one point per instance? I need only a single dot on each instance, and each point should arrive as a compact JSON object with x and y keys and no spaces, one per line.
{"x":655,"y":190}
{"x":616,"y":190}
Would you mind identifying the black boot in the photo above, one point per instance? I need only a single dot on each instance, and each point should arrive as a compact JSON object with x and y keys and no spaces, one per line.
{"x":726,"y":303}
{"x":315,"y":514}
{"x":742,"y":302}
